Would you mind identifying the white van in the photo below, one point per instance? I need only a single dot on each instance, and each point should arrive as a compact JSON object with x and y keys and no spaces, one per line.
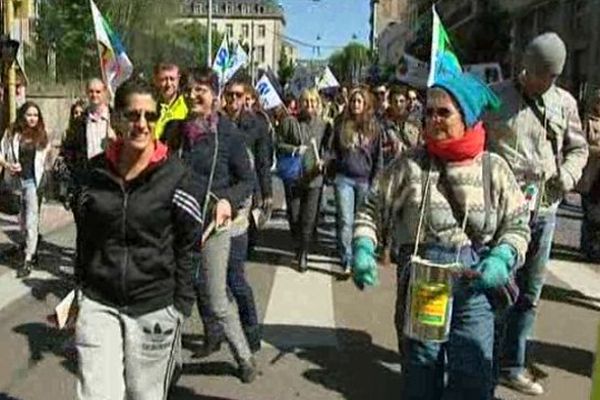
{"x":487,"y":72}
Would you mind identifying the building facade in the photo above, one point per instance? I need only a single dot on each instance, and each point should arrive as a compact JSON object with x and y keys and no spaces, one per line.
{"x":259,"y":24}
{"x":576,"y":21}
{"x":291,"y":51}
{"x":391,"y":28}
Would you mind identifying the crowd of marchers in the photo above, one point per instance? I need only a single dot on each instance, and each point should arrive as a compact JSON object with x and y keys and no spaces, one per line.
{"x":166,"y":184}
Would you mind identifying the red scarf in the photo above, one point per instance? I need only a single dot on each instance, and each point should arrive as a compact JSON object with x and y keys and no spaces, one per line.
{"x":463,"y":148}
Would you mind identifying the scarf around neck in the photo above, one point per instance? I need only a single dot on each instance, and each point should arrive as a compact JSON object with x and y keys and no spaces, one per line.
{"x":464,"y":148}
{"x":195,"y":129}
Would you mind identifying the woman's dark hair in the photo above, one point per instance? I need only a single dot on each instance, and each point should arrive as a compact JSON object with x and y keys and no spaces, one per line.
{"x":36,"y":134}
{"x":201,"y":75}
{"x":77,"y":104}
{"x":132,"y":86}
{"x":397,"y":90}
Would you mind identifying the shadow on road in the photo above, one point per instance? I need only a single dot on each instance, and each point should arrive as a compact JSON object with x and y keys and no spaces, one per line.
{"x":183,"y":393}
{"x":570,"y":359}
{"x":567,"y":253}
{"x":356,"y":368}
{"x":4,"y":396}
{"x":44,"y":339}
{"x":568,"y":296}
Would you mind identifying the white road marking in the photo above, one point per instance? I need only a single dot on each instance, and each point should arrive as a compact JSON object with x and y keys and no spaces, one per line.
{"x":298,"y":303}
{"x":579,"y":277}
{"x":13,"y":289}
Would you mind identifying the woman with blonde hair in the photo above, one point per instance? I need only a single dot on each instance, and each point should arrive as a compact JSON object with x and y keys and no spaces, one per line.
{"x":303,"y":138}
{"x":358,"y":157}
{"x":23,"y":153}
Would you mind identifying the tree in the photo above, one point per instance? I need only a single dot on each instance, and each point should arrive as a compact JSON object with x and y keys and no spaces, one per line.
{"x":349,"y":63}
{"x":147,"y":32}
{"x":285,"y":67}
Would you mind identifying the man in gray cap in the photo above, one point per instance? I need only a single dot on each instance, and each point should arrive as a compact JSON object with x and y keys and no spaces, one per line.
{"x":538,"y":131}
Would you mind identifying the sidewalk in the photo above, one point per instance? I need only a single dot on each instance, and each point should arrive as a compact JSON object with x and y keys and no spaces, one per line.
{"x":53,"y":217}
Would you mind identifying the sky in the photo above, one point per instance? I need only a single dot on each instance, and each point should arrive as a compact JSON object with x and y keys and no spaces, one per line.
{"x":335,"y":21}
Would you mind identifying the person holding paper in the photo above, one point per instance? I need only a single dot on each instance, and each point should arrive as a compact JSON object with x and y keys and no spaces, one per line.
{"x":214,"y":149}
{"x":304,"y":136}
{"x":135,"y":256}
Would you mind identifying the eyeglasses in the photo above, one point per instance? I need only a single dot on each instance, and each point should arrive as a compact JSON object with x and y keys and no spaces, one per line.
{"x":441,"y":112}
{"x":135,"y":116}
{"x":237,"y":95}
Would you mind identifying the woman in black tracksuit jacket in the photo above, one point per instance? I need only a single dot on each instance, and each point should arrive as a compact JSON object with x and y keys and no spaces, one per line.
{"x":134,"y":257}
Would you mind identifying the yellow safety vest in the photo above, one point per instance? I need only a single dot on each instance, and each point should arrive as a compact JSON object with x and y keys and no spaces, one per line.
{"x":177,"y":110}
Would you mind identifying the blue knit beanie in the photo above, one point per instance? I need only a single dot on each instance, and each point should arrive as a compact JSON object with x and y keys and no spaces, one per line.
{"x":472,"y":96}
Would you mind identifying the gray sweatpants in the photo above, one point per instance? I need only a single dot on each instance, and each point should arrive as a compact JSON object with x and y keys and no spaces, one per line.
{"x":213,"y":293}
{"x":123,"y":357}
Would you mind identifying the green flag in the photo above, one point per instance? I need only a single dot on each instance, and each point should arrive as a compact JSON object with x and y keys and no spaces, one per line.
{"x":443,"y":60}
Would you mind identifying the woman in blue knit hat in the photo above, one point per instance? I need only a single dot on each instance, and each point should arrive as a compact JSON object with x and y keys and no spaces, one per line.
{"x":448,"y":203}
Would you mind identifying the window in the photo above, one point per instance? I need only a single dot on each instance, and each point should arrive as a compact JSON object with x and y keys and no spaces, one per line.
{"x":229,"y":8}
{"x":198,"y":8}
{"x":223,"y":8}
{"x":260,"y":54}
{"x":262,"y":32}
{"x":245,"y":30}
{"x":229,"y":30}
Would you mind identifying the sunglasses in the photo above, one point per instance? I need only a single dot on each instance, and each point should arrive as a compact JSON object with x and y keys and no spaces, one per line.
{"x":441,"y":112}
{"x":237,"y":95}
{"x":135,"y":116}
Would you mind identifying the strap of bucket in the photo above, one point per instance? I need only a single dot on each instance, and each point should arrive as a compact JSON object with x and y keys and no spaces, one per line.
{"x":424,"y":196}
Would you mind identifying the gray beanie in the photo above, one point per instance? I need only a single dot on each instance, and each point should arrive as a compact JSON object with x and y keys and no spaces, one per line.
{"x":546,"y":53}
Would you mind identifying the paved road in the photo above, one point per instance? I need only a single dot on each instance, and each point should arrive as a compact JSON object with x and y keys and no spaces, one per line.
{"x":323,"y":339}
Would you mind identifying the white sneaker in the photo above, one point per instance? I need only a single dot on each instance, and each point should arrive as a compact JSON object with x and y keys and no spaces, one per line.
{"x":522,"y":383}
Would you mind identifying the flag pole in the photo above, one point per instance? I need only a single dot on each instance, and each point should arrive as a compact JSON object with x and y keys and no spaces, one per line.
{"x":209,"y":39}
{"x":102,"y":72}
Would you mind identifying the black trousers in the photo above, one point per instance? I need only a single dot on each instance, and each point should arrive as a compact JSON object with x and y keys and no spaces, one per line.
{"x":302,"y":209}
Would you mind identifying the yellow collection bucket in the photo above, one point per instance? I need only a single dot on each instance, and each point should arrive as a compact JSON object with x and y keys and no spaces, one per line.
{"x":429,"y":300}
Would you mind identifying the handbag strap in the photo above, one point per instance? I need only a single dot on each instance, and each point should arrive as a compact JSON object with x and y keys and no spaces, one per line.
{"x":551,"y":134}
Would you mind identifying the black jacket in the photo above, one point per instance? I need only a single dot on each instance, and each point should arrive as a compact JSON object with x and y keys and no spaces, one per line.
{"x":136,"y":239}
{"x":234,"y":176}
{"x":256,"y":132}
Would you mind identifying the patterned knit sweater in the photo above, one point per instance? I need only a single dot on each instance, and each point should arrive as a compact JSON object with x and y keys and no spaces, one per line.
{"x":393,"y":205}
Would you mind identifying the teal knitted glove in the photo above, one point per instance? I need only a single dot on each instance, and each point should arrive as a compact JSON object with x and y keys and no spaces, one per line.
{"x":364,"y":264}
{"x":495,"y":268}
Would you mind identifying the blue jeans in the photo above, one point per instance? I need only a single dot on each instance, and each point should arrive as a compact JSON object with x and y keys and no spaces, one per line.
{"x":531,"y":276}
{"x":349,"y":195}
{"x":29,"y":216}
{"x":467,"y":356}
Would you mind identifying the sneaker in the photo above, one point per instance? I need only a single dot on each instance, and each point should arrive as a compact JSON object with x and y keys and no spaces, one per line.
{"x":25,"y":270}
{"x":248,"y":370}
{"x":522,"y":383}
{"x":346,"y":271}
{"x":209,"y":347}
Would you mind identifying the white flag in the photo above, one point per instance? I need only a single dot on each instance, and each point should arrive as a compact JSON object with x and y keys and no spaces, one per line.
{"x":327,"y":80}
{"x":267,"y":94}
{"x":114,"y":62}
{"x":227,"y":63}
